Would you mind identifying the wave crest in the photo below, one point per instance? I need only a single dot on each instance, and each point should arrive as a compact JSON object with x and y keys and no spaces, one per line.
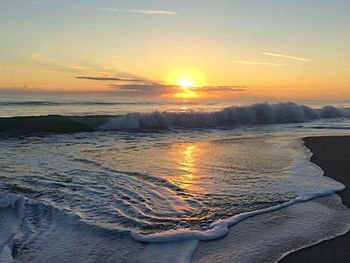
{"x":261,"y":113}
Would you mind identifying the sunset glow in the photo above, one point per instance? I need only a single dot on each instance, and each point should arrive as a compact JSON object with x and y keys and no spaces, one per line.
{"x":128,"y":51}
{"x":186,"y":82}
{"x":186,"y":77}
{"x":174,"y":131}
{"x":186,"y":85}
{"x":187,"y":94}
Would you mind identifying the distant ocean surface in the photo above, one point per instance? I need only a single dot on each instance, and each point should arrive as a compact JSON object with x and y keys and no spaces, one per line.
{"x":125,"y":180}
{"x":20,"y":105}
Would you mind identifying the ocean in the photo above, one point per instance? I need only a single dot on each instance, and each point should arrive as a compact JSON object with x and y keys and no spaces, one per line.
{"x":125,"y":180}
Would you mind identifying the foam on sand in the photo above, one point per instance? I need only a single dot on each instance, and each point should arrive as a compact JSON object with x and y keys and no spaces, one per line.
{"x":100,"y":213}
{"x":220,"y":228}
{"x":269,"y":234}
{"x":266,"y":237}
{"x":270,"y":237}
{"x":301,"y":169}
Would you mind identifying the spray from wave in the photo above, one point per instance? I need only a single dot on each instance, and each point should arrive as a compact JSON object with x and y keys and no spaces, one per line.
{"x":261,"y":113}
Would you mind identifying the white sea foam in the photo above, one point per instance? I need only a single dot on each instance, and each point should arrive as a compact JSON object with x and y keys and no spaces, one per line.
{"x":10,"y":200}
{"x":298,"y":230}
{"x":11,"y":215}
{"x":271,"y":236}
{"x":300,"y":169}
{"x":144,"y":185}
{"x":220,"y":228}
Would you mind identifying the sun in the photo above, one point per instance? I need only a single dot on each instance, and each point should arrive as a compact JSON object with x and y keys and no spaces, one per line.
{"x":186,"y":77}
{"x":189,"y":80}
{"x":186,"y":82}
{"x":187,"y":88}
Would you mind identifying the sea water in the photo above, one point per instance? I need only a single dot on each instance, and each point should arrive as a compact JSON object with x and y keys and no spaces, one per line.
{"x":177,"y":185}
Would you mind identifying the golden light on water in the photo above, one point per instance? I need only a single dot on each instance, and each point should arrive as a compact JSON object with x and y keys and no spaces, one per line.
{"x":187,"y":164}
{"x":188,"y":161}
{"x":186,"y":158}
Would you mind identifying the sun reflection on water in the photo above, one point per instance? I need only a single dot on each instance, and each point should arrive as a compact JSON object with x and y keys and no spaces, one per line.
{"x":186,"y":161}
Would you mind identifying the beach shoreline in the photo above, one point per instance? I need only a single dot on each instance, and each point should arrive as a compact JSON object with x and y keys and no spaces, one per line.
{"x":332,"y":154}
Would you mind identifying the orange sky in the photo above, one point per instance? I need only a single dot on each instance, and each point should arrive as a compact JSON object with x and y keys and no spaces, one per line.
{"x":178,"y":50}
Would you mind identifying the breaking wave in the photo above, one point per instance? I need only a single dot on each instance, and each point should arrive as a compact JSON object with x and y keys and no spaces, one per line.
{"x":261,"y":113}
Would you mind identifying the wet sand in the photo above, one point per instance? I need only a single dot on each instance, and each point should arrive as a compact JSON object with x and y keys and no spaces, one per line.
{"x":332,"y":154}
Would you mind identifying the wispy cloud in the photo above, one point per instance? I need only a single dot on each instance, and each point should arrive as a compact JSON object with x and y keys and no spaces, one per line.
{"x":145,"y":89}
{"x":76,"y":67}
{"x":86,"y":72}
{"x":221,"y":89}
{"x":45,"y":63}
{"x":286,"y":56}
{"x":136,"y":89}
{"x":153,"y":12}
{"x":159,"y":89}
{"x":141,"y":11}
{"x":71,"y":68}
{"x":258,"y":63}
{"x":110,"y":79}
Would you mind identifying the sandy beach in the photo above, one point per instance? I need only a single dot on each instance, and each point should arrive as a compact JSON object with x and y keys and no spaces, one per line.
{"x":332,"y":154}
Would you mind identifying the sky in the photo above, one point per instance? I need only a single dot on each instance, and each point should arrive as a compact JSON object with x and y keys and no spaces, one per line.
{"x":177,"y":49}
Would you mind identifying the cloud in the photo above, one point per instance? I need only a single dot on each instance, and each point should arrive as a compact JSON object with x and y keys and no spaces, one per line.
{"x":110,"y":79}
{"x":76,"y":67}
{"x":157,"y":89}
{"x":286,"y":56}
{"x":258,"y":63}
{"x":136,"y":90}
{"x":153,"y":12}
{"x":224,"y":89}
{"x":141,"y":11}
{"x":47,"y":91}
{"x":145,"y":89}
{"x":43,"y":62}
{"x":84,"y":72}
